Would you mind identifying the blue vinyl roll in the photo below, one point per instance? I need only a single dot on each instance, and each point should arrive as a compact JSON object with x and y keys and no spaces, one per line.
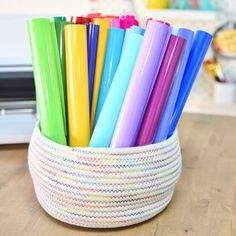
{"x":201,"y":43}
{"x":112,"y":59}
{"x":92,"y":42}
{"x":163,"y":128}
{"x":107,"y":120}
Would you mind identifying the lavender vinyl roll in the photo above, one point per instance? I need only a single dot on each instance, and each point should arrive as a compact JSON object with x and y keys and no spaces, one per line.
{"x":147,"y":66}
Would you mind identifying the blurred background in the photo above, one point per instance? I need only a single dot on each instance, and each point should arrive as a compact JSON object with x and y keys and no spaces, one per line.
{"x":214,"y":91}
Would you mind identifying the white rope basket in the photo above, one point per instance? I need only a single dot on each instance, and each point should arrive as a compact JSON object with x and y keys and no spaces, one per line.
{"x":103,"y":187}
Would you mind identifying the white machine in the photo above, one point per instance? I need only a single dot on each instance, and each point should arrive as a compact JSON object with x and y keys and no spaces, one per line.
{"x":17,"y":94}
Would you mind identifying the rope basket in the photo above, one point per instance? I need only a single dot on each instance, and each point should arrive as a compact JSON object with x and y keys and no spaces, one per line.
{"x":103,"y":187}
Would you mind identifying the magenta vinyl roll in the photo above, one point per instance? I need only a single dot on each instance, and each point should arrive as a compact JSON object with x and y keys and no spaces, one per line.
{"x":163,"y":127}
{"x":147,"y":66}
{"x":160,"y":91}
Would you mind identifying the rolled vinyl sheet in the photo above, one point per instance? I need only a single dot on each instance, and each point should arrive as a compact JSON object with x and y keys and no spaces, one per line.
{"x":104,"y":25}
{"x":132,"y":29}
{"x":112,"y":59}
{"x":137,"y":29}
{"x":77,"y":85}
{"x":175,"y":31}
{"x":126,"y":21}
{"x":92,"y":42}
{"x":106,"y":123}
{"x":110,"y":16}
{"x":47,"y":78}
{"x":59,"y":24}
{"x":161,"y":90}
{"x":201,"y":43}
{"x":94,"y":15}
{"x":59,"y":18}
{"x":115,"y":22}
{"x":80,"y":20}
{"x":163,"y":128}
{"x":147,"y":66}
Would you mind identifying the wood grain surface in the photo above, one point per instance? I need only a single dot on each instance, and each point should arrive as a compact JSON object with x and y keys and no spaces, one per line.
{"x":204,"y":203}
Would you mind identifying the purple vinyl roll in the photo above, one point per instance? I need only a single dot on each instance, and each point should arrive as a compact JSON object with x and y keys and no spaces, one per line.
{"x":92,"y":42}
{"x":163,"y":127}
{"x":147,"y":66}
{"x":160,"y":91}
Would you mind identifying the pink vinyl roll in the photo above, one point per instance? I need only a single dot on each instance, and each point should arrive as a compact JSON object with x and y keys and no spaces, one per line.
{"x":147,"y":66}
{"x":161,"y":90}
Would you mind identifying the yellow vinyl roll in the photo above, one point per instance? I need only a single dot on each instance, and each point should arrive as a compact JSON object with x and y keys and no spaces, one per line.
{"x":104,"y":25}
{"x":77,"y":85}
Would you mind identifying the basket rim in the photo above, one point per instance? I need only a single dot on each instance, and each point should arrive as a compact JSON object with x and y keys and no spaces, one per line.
{"x":108,"y":150}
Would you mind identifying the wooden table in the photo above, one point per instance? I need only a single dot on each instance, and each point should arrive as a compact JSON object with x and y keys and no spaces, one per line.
{"x":204,"y":202}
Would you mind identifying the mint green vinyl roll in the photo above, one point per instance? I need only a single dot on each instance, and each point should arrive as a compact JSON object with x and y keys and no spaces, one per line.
{"x":106,"y":123}
{"x":48,"y":78}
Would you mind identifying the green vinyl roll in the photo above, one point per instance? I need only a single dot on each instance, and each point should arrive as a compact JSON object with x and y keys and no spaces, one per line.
{"x":59,"y":24}
{"x":59,"y":18}
{"x":48,"y":78}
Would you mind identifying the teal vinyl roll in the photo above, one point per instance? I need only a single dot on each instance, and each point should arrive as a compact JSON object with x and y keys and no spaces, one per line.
{"x":106,"y":123}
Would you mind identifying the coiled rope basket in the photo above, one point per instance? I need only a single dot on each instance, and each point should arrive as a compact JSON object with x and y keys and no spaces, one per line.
{"x":103,"y":187}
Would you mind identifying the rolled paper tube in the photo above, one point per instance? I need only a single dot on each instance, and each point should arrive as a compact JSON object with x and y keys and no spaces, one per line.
{"x":147,"y":66}
{"x":59,"y":24}
{"x":201,"y":43}
{"x":92,"y":42}
{"x":106,"y":123}
{"x":104,"y":25}
{"x":77,"y":85}
{"x":112,"y":59}
{"x":80,"y":19}
{"x":163,"y":128}
{"x":160,"y":91}
{"x":47,"y":77}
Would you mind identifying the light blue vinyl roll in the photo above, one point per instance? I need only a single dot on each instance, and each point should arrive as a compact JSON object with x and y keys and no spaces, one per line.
{"x":105,"y":126}
{"x":132,"y":29}
{"x":175,"y":31}
{"x":163,"y":128}
{"x":111,"y":62}
{"x":137,"y":29}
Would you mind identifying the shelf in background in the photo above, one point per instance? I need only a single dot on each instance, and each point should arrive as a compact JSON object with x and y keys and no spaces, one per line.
{"x":197,"y":15}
